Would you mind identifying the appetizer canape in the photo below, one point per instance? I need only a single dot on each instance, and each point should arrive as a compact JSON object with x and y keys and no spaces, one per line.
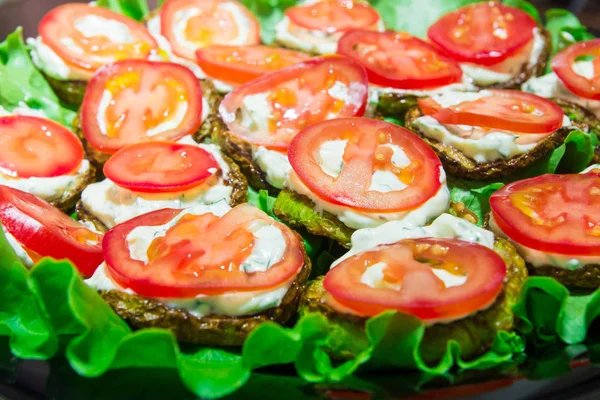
{"x":353,"y":173}
{"x":181,"y":27}
{"x":210,"y":274}
{"x":315,"y":26}
{"x":574,"y":81}
{"x":455,"y":277}
{"x":149,"y":176}
{"x":44,"y":158}
{"x":554,"y":223}
{"x":36,"y":229}
{"x":489,"y":134}
{"x":231,"y":66}
{"x":76,"y":39}
{"x":496,"y":45}
{"x":133,"y":101}
{"x":264,"y":115}
{"x":401,"y":68}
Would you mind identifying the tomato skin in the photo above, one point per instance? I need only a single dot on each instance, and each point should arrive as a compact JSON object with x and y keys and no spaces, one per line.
{"x":350,"y":187}
{"x":409,"y":284}
{"x":152,"y":76}
{"x":551,"y":213}
{"x":156,"y":167}
{"x":468,"y":34}
{"x":333,"y":15}
{"x":247,"y":61}
{"x":215,"y":27}
{"x":37,"y":147}
{"x":562,"y":65}
{"x":401,"y":61}
{"x":42,"y":228}
{"x":311,"y":76}
{"x":57,"y":23}
{"x":508,"y":110}
{"x":165,"y":277}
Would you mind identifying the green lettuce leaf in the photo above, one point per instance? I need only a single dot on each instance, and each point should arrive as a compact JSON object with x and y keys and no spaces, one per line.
{"x":22,"y":84}
{"x":268,"y":13}
{"x":262,"y":200}
{"x":136,"y":9}
{"x":474,"y":195}
{"x":565,"y":29}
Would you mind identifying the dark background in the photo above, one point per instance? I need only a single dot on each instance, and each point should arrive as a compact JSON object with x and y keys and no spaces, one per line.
{"x":28,"y":12}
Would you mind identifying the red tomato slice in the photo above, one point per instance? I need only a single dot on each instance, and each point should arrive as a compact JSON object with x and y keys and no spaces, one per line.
{"x":37,"y":147}
{"x":241,"y":64}
{"x":43,"y":229}
{"x":132,"y":101}
{"x":410,"y":284}
{"x":399,"y":60}
{"x":294,"y":98}
{"x":509,"y":110}
{"x":367,"y":150}
{"x":160,"y":167}
{"x":72,"y":31}
{"x":199,"y":255}
{"x":552,"y":213}
{"x":484,"y":33}
{"x":192,"y":24}
{"x":334,"y":15}
{"x":562,"y":65}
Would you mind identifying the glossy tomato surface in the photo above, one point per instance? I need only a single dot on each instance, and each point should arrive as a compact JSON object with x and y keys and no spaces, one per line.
{"x":37,"y":147}
{"x":399,"y":60}
{"x":89,"y":37}
{"x":334,"y":15}
{"x":552,"y":213}
{"x":193,"y":24}
{"x":160,"y":167}
{"x":240,"y":64}
{"x":271,"y":110}
{"x":484,"y":33}
{"x":199,"y":255}
{"x":134,"y":101}
{"x":370,"y":146}
{"x":563,"y":62}
{"x":508,"y":110}
{"x":430,"y":278}
{"x":47,"y":232}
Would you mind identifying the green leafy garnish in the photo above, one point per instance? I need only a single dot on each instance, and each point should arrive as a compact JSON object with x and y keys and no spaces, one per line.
{"x":268,"y":13}
{"x":21,"y":84}
{"x":136,"y":9}
{"x":474,"y":195}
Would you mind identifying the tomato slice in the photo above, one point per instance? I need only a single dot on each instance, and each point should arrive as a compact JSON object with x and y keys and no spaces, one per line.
{"x":562,"y":65}
{"x":160,"y":167}
{"x":334,"y":15}
{"x":133,"y":101}
{"x":484,"y":33}
{"x":508,"y":110}
{"x":89,"y":37}
{"x":399,"y":60}
{"x":411,"y":282}
{"x":44,"y":230}
{"x":552,"y":213}
{"x":371,"y":145}
{"x":37,"y":147}
{"x":199,"y":254}
{"x":240,"y":64}
{"x":193,"y":24}
{"x":271,"y":110}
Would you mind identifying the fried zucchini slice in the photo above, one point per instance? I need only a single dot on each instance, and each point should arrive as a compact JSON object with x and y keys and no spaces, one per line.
{"x":474,"y":333}
{"x":71,"y":92}
{"x":214,"y":330}
{"x":67,"y":199}
{"x":457,"y":164}
{"x":298,"y":211}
